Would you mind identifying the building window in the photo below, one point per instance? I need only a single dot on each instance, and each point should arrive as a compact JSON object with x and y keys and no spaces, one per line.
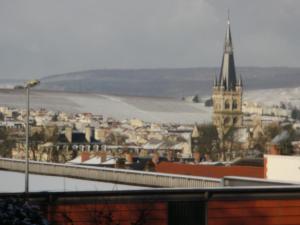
{"x":217,"y":107}
{"x":227,"y":104}
{"x":235,"y":120}
{"x":187,"y":213}
{"x":234,"y":104}
{"x":226,"y":120}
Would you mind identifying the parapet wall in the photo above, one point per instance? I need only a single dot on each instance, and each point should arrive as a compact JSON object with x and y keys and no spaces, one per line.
{"x":111,"y":175}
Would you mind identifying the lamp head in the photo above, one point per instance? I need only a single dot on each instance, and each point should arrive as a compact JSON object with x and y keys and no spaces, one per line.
{"x":32,"y":83}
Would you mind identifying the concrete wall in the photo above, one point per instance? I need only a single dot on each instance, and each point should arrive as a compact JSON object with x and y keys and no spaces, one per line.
{"x":285,"y":168}
{"x":111,"y":175}
{"x":234,"y":181}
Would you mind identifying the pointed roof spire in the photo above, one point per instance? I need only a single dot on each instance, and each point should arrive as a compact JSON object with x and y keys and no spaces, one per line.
{"x":228,"y":16}
{"x":216,"y":81}
{"x":227,"y":74}
{"x":228,"y":41}
{"x":240,"y":81}
{"x":195,"y":132}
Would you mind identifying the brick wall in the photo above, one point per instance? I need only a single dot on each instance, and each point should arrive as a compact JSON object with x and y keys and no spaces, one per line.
{"x":258,"y":212}
{"x":109,"y":213}
{"x":210,"y":171}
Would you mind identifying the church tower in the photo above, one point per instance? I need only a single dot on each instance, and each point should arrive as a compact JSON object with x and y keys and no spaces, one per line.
{"x":227,"y":91}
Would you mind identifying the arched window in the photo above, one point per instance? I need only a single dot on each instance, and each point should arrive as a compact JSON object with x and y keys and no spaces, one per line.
{"x":226,"y":120}
{"x":235,"y":120}
{"x":234,"y":104}
{"x":227,"y":104}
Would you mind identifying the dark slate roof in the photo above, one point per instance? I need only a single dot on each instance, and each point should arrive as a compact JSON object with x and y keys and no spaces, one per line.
{"x":284,"y":135}
{"x":77,"y":138}
{"x":227,"y":77}
{"x":62,"y":138}
{"x":259,"y":162}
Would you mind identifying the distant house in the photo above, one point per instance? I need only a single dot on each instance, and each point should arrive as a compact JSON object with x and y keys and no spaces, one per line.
{"x":192,"y":99}
{"x":78,"y":140}
{"x":273,"y":147}
{"x":12,"y":124}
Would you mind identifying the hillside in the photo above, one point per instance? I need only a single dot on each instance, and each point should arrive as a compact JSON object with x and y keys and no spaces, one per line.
{"x":166,"y":82}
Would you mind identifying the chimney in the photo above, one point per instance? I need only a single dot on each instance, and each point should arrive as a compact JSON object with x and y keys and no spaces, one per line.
{"x":103,"y":156}
{"x":129,"y":158}
{"x":68,"y":133}
{"x":85,"y":156}
{"x":274,"y":150}
{"x":170,"y":156}
{"x":155,"y":158}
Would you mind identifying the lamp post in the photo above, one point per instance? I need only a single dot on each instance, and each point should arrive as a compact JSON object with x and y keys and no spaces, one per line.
{"x":29,"y":84}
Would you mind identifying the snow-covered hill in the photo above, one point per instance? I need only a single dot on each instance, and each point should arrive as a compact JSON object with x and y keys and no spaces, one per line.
{"x":167,"y":82}
{"x":275,"y":96}
{"x":151,"y":109}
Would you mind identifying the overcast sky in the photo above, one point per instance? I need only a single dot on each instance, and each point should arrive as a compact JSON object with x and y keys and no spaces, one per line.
{"x":43,"y":37}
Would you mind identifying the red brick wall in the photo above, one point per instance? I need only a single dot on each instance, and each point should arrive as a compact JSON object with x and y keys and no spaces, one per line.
{"x":210,"y":171}
{"x":101,"y":213}
{"x":258,"y":212}
{"x":86,"y":211}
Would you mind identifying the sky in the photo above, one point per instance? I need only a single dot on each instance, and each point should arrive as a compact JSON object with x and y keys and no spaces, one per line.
{"x":45,"y":37}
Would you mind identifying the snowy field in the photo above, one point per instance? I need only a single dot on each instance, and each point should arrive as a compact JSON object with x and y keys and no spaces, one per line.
{"x":14,"y":182}
{"x":275,"y":96}
{"x":148,"y":109}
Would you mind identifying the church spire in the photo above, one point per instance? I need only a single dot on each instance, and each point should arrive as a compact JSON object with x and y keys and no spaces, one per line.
{"x":227,"y":95}
{"x":216,"y":81}
{"x":227,"y":73}
{"x":240,"y":81}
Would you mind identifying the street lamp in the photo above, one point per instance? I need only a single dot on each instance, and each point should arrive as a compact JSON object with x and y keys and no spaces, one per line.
{"x":28,"y":85}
